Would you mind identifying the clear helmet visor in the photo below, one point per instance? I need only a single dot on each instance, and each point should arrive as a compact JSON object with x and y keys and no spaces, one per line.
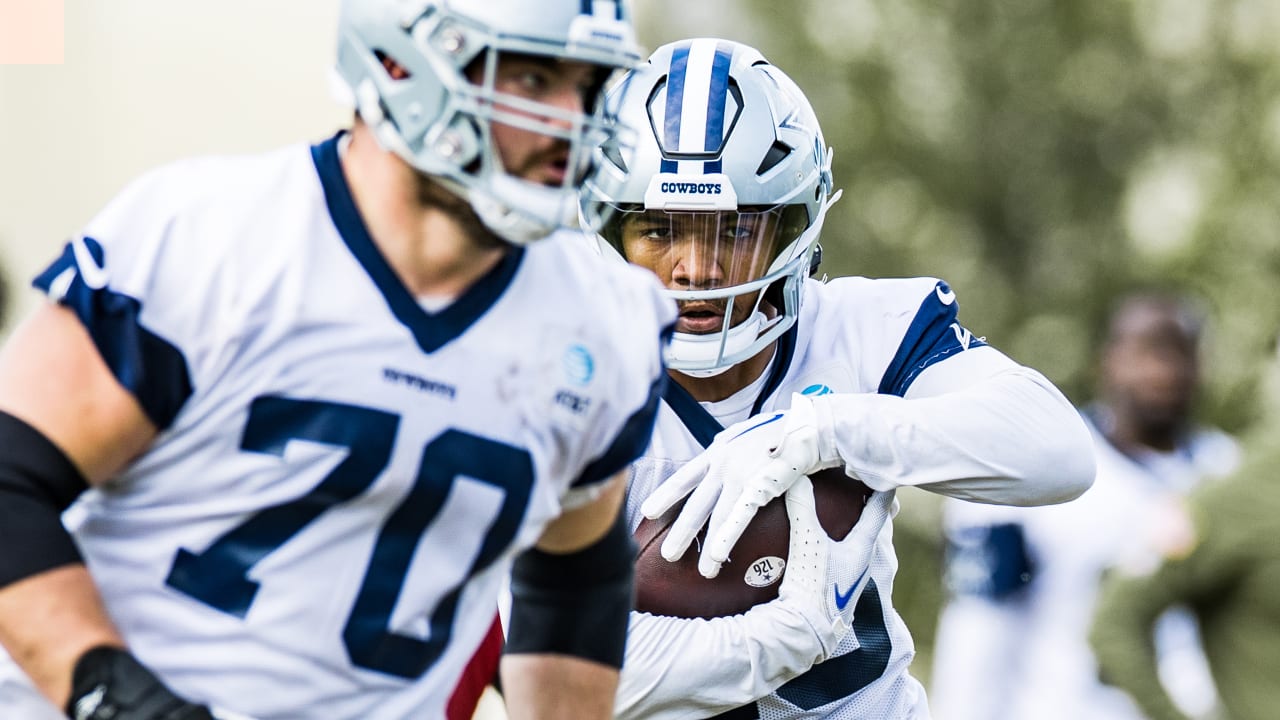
{"x":719,"y":266}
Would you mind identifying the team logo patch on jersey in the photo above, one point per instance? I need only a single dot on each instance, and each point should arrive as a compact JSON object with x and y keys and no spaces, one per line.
{"x":818,"y":389}
{"x":579,"y":366}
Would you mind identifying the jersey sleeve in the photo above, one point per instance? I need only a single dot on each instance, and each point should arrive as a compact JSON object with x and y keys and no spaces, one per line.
{"x":625,"y":424}
{"x":139,"y":292}
{"x":933,"y":334}
{"x":944,"y":411}
{"x":154,"y":285}
{"x":682,"y":668}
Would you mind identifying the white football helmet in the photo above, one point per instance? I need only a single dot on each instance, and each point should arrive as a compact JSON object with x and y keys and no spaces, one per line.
{"x":439,"y":122}
{"x":722,"y":194}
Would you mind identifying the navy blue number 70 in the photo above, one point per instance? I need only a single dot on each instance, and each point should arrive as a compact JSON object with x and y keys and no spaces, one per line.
{"x":219,"y":575}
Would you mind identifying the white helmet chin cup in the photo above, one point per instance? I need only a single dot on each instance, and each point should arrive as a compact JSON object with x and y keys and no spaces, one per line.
{"x":723,"y":140}
{"x":535,"y":211}
{"x":439,"y":122}
{"x":703,"y":355}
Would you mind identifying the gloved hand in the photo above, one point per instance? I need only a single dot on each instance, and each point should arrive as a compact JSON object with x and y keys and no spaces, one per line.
{"x":746,"y":466}
{"x":823,"y":577}
{"x":109,"y":684}
{"x":666,"y":675}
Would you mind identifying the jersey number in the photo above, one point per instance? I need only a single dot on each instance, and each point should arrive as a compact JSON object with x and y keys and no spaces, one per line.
{"x":219,"y":576}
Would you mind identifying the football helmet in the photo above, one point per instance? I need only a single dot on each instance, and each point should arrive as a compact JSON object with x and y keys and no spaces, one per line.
{"x":440,"y":122}
{"x":722,"y":193}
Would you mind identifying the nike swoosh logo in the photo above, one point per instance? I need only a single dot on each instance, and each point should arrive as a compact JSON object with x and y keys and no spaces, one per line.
{"x":842,"y":599}
{"x":947,"y":297}
{"x":758,"y":425}
{"x":93,"y":274}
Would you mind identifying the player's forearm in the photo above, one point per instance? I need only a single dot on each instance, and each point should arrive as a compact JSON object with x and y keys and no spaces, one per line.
{"x":1010,"y":438}
{"x":550,"y":687}
{"x":1123,"y":641}
{"x":678,"y":668}
{"x":47,"y":621}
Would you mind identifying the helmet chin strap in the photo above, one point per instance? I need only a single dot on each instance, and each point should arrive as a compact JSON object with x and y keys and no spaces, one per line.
{"x":689,"y":353}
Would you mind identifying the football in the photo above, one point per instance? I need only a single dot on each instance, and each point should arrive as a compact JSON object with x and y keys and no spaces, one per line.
{"x":755,"y":567}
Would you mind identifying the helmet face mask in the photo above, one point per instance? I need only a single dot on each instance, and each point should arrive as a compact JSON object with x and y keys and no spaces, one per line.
{"x":440,"y":113}
{"x":722,"y":194}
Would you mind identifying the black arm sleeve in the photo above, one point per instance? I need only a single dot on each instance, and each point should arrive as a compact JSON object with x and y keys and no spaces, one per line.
{"x":37,"y":482}
{"x":577,"y":603}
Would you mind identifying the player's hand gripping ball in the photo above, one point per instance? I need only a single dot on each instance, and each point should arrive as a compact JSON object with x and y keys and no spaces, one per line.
{"x":754,"y":570}
{"x":747,"y":465}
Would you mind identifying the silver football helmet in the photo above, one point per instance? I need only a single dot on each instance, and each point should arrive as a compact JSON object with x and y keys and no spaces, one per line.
{"x":723,"y":195}
{"x":440,"y":122}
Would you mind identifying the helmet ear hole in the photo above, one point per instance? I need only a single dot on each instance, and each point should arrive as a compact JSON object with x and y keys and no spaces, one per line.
{"x":395,"y":70}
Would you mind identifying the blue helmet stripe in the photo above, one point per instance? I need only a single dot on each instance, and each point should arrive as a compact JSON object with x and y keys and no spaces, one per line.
{"x":717,"y":99}
{"x":588,"y":8}
{"x":675,"y":96}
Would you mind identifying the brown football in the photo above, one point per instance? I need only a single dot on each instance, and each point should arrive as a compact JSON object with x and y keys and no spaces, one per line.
{"x":754,"y":569}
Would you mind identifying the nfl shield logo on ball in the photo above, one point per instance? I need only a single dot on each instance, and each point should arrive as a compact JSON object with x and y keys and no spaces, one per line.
{"x":765,"y":571}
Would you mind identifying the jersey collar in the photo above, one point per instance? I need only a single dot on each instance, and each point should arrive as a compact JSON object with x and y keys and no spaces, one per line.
{"x":431,"y":330}
{"x":700,"y":423}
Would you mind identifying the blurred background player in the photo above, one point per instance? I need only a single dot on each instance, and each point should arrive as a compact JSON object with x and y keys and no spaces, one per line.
{"x":311,"y":406}
{"x":723,"y":198}
{"x":1226,"y":569}
{"x":1013,"y":640}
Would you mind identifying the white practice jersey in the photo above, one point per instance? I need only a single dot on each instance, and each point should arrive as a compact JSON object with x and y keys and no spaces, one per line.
{"x":342,"y":478}
{"x":1013,"y":640}
{"x":854,"y":335}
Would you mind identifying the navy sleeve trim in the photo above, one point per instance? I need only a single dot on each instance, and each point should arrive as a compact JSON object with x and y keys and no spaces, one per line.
{"x":148,"y":366}
{"x":934,"y":335}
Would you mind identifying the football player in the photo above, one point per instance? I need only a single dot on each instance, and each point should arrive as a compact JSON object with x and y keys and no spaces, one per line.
{"x":1027,"y":584}
{"x":312,"y":406}
{"x":776,"y":374}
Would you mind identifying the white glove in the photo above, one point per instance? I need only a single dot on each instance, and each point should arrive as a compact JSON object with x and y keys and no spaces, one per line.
{"x":747,"y":465}
{"x":824,"y":577}
{"x":666,"y":674}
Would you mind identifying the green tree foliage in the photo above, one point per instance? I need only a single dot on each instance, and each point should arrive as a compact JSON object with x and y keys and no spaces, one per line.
{"x":1044,"y":157}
